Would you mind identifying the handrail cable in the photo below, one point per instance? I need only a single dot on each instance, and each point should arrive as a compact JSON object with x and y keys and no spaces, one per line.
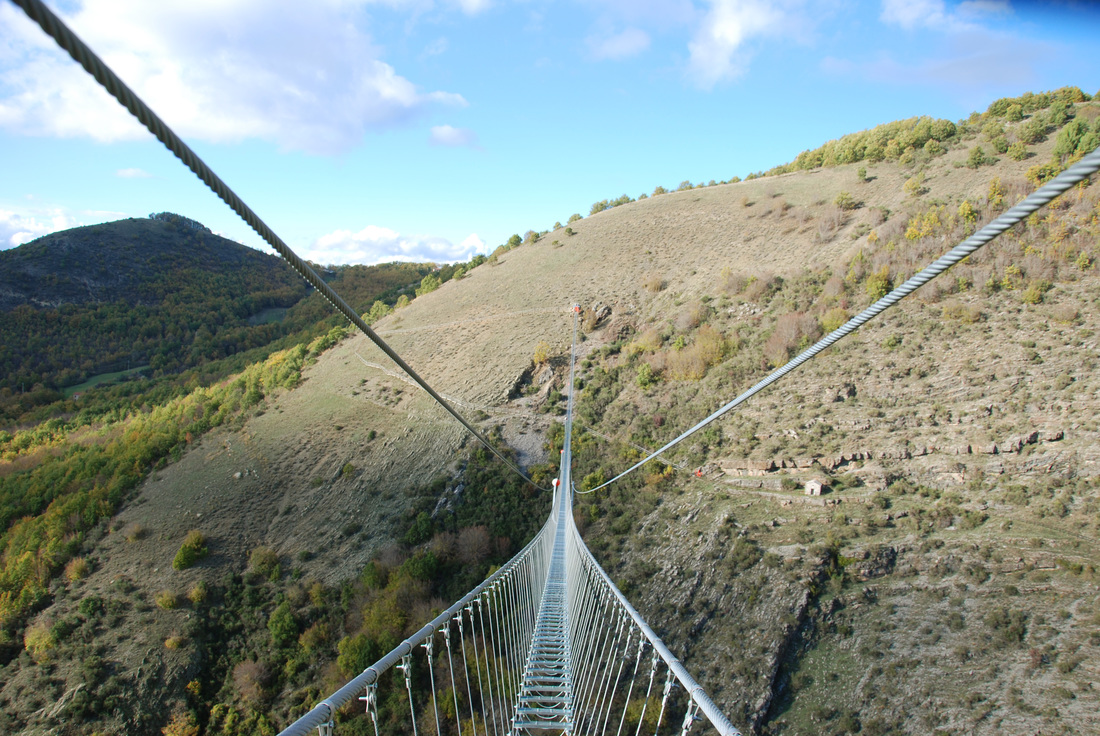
{"x":1041,"y":196}
{"x":83,"y":55}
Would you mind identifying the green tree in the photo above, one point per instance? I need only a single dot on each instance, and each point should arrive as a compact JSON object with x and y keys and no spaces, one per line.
{"x":428,"y":284}
{"x":191,"y":551}
{"x":515,"y":241}
{"x":574,"y":217}
{"x":283,"y":627}
{"x":977,"y":157}
{"x":1069,"y":138}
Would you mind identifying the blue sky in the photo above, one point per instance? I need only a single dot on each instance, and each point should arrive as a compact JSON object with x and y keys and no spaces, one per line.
{"x":365,"y":131}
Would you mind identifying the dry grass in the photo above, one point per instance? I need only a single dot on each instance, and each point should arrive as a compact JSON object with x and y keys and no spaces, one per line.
{"x":653,"y":283}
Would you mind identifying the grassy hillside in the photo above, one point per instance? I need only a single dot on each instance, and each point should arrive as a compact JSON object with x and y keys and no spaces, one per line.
{"x":946,"y":581}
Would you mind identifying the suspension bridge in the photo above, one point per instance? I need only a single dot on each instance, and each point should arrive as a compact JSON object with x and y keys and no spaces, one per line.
{"x":547,"y":645}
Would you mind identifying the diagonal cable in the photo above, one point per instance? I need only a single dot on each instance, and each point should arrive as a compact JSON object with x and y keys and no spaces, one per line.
{"x":95,"y":66}
{"x":1041,"y":196}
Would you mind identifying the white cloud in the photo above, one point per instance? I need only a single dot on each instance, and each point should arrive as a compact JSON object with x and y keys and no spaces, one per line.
{"x":716,"y":49}
{"x":17,"y":228}
{"x":374,"y":244}
{"x":913,"y":13}
{"x":133,"y":174}
{"x":934,"y":14}
{"x":472,"y":7}
{"x":474,"y":243}
{"x":446,"y":135}
{"x":630,"y":42}
{"x":301,"y":75}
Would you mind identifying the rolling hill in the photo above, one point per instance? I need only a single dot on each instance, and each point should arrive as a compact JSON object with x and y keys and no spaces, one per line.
{"x":946,"y":581}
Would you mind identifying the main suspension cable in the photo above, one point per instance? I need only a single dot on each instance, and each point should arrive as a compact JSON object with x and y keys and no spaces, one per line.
{"x":103,"y":74}
{"x":1041,"y":196}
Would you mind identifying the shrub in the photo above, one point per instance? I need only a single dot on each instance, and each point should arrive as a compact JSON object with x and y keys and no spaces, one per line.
{"x":977,"y":158}
{"x":181,"y":724}
{"x":265,"y":562}
{"x":846,"y":201}
{"x":428,"y":284}
{"x":77,"y":569}
{"x":133,"y":532}
{"x":834,"y":318}
{"x":791,"y":331}
{"x":166,"y":599}
{"x":191,"y":551}
{"x":1034,"y":131}
{"x":684,"y":186}
{"x":313,"y":638}
{"x":197,"y":593}
{"x":175,"y":641}
{"x":542,"y":353}
{"x":653,"y":283}
{"x":914,"y":185}
{"x":347,"y":471}
{"x":646,"y":377}
{"x":1033,"y":294}
{"x":283,"y":627}
{"x":250,"y":678}
{"x":659,"y":190}
{"x":40,"y":641}
{"x":573,"y":218}
{"x":954,"y":309}
{"x":879,"y":284}
{"x":598,"y":206}
{"x":1017,"y":151}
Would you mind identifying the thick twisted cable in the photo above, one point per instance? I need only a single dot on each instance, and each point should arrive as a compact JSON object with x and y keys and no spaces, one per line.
{"x":95,"y":66}
{"x":1084,"y":168}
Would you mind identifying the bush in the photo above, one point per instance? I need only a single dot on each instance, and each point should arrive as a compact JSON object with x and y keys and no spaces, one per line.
{"x":791,"y":331}
{"x":573,"y":218}
{"x":182,"y":724}
{"x":77,"y":569}
{"x":1033,"y":294}
{"x":428,"y":284}
{"x":653,"y":283}
{"x":542,"y":353}
{"x":192,"y":550}
{"x":879,"y":284}
{"x":977,"y":158}
{"x":175,"y":641}
{"x":198,"y":592}
{"x":846,"y":201}
{"x":646,"y":377}
{"x":40,"y":641}
{"x":833,"y":319}
{"x":265,"y":562}
{"x":167,"y":599}
{"x":954,"y":309}
{"x":250,"y":678}
{"x":283,"y":627}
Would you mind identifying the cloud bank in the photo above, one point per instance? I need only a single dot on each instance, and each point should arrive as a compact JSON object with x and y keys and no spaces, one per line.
{"x":374,"y":244}
{"x":300,"y":75}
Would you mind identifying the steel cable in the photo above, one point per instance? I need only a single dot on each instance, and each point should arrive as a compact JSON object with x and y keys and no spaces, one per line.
{"x":1040,"y":197}
{"x":83,"y":55}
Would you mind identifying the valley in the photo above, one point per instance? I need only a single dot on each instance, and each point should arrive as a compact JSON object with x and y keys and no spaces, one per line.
{"x":945,"y":582}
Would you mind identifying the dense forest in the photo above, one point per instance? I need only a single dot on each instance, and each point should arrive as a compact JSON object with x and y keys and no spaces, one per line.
{"x":155,"y":298}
